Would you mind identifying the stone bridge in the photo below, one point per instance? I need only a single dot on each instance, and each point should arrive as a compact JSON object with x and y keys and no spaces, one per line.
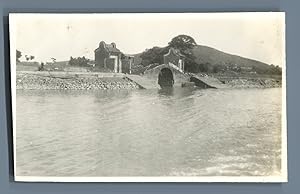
{"x":150,"y":78}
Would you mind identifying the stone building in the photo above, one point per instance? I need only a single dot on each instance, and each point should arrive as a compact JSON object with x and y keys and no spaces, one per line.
{"x":108,"y":56}
{"x":127,"y":62}
{"x":174,"y":57}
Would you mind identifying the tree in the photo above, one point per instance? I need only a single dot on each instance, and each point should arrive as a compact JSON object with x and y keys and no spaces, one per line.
{"x":153,"y":55}
{"x":185,"y":44}
{"x":31,"y":57}
{"x":182,"y":42}
{"x":278,"y":70}
{"x":18,"y":55}
{"x":218,"y":68}
{"x":41,"y":68}
{"x":79,"y":61}
{"x":27,"y":57}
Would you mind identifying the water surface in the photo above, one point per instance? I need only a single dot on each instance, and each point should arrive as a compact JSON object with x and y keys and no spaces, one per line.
{"x":184,"y":132}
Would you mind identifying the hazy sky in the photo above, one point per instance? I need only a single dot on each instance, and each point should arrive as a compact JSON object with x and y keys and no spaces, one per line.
{"x":258,"y":36}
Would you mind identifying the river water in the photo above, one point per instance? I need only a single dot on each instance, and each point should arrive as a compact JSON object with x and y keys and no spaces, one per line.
{"x":184,"y":132}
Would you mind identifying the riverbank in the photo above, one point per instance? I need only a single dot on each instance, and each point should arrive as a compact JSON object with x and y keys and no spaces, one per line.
{"x":38,"y":81}
{"x":244,"y":82}
{"x":248,"y":80}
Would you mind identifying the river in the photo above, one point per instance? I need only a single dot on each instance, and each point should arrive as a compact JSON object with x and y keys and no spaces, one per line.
{"x":184,"y":132}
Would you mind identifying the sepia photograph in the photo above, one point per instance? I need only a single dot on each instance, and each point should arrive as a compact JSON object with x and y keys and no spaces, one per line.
{"x":148,"y":97}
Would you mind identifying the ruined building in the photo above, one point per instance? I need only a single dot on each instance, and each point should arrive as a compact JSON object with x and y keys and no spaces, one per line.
{"x":108,"y":56}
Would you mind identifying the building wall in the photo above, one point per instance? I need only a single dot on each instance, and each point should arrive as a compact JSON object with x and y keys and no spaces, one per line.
{"x":100,"y":55}
{"x":110,"y":63}
{"x":108,"y":56}
{"x":126,"y":65}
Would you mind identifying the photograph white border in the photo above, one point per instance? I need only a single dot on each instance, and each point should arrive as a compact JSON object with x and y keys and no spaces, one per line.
{"x":262,"y":179}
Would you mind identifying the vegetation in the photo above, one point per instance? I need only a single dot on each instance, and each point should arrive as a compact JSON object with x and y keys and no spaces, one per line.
{"x":29,"y":57}
{"x":42,"y":67}
{"x":273,"y":70}
{"x":221,"y":62}
{"x":18,"y":55}
{"x":153,"y":55}
{"x":79,"y":61}
{"x":183,"y":43}
{"x":200,"y":58}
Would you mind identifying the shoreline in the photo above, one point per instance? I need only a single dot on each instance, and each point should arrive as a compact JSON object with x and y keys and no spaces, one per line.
{"x":36,"y":81}
{"x":26,"y":80}
{"x":252,"y":82}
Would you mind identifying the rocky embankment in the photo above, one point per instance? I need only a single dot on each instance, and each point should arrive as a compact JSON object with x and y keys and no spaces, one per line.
{"x":34,"y":81}
{"x":252,"y":82}
{"x":61,"y":81}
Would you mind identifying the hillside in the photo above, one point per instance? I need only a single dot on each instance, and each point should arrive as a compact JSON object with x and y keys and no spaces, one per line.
{"x":211,"y":58}
{"x":137,"y":59}
{"x":205,"y":54}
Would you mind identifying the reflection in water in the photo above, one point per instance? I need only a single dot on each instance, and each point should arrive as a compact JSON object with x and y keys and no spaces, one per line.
{"x":179,"y":131}
{"x":167,"y":91}
{"x":178,"y":92}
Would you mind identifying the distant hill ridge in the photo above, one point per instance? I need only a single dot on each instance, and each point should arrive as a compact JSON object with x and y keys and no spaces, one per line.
{"x":208,"y":55}
{"x":205,"y":54}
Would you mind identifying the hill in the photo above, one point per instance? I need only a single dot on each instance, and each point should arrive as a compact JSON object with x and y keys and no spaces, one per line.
{"x":205,"y":54}
{"x":209,"y":59}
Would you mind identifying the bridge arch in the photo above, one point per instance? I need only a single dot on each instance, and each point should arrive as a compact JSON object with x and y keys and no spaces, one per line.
{"x":153,"y":74}
{"x":165,"y":78}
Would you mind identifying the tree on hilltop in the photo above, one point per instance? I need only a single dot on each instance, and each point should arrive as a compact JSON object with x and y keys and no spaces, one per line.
{"x":185,"y":44}
{"x":182,"y":42}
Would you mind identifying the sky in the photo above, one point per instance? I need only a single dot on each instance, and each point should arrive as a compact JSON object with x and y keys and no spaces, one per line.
{"x":259,"y":36}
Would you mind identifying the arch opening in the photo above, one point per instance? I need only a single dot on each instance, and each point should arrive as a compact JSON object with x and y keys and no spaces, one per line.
{"x":165,"y":78}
